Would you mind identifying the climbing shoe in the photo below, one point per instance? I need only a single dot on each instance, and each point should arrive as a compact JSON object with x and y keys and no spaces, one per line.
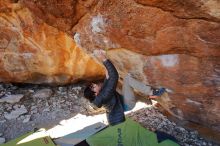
{"x":158,"y":92}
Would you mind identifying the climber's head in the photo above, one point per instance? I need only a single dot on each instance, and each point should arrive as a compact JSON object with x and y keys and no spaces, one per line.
{"x":92,"y":90}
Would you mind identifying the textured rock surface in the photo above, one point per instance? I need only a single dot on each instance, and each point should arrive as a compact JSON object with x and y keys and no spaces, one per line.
{"x":34,"y":52}
{"x":142,"y":26}
{"x":185,"y":37}
{"x":189,"y":9}
{"x":194,"y":82}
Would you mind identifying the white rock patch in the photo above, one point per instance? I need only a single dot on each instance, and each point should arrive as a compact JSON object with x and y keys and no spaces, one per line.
{"x":169,"y":60}
{"x":193,"y":102}
{"x":77,"y":39}
{"x":98,"y":24}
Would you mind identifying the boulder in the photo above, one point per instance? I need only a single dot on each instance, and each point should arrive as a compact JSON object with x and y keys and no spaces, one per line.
{"x":2,"y":140}
{"x":31,"y":51}
{"x":27,"y":118}
{"x":170,"y":43}
{"x":16,"y":113}
{"x":43,"y":93}
{"x":11,"y":98}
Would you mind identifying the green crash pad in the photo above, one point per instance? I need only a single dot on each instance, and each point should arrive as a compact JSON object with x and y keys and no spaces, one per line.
{"x":128,"y":133}
{"x":31,"y":139}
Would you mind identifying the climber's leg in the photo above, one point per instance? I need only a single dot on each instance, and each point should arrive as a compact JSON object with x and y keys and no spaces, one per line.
{"x":128,"y":94}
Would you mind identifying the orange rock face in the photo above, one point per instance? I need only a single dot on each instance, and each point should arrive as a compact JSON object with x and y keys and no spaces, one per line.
{"x":31,"y":51}
{"x":169,"y":43}
{"x":143,"y":26}
{"x":193,"y":82}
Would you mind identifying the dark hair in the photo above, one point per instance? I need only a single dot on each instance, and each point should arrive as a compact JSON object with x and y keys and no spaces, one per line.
{"x":88,"y":93}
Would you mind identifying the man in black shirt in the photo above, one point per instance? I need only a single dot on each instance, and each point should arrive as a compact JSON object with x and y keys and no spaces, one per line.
{"x":105,"y":94}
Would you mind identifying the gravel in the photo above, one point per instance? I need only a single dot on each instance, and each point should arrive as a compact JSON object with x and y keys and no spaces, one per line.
{"x":45,"y":106}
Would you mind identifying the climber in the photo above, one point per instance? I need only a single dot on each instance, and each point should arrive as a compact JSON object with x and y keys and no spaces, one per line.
{"x":104,"y":93}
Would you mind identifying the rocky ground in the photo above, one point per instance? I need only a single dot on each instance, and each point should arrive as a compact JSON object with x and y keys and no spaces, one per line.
{"x":25,"y":107}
